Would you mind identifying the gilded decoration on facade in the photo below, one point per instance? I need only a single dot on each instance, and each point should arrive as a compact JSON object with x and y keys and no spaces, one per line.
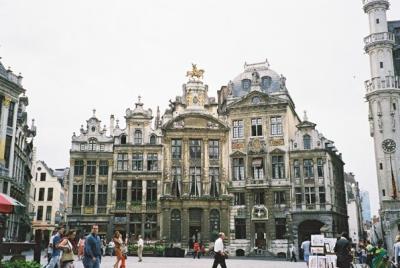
{"x":195,"y":73}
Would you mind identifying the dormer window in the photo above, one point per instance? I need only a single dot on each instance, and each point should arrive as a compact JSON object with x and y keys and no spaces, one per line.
{"x":138,"y":137}
{"x":123,"y":139}
{"x":153,"y":139}
{"x":92,"y":145}
{"x":246,"y":84}
{"x":306,"y":142}
{"x":266,"y":82}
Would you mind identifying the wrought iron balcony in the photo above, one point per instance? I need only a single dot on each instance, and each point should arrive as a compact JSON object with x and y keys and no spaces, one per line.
{"x":378,"y":38}
{"x":378,"y":83}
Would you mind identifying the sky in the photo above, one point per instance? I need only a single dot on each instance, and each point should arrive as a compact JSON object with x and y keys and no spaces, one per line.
{"x":77,"y":56}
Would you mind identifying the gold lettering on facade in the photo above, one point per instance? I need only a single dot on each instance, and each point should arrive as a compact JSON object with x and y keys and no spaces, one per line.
{"x":277,"y":142}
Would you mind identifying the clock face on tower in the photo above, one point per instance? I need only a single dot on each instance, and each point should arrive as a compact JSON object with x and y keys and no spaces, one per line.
{"x":389,"y":146}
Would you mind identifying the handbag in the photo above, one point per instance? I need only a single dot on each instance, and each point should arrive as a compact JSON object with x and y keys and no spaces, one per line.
{"x":67,"y":255}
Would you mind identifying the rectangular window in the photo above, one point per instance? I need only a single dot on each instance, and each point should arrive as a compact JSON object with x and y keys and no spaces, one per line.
{"x":91,"y":168}
{"x":39,"y":215}
{"x":276,"y":126}
{"x":103,"y":168}
{"x":239,"y":199}
{"x":308,"y":168}
{"x":176,"y":149}
{"x":278,"y":167}
{"x":259,"y":198}
{"x":240,"y":228}
{"x":299,"y":196}
{"x":102,"y":147}
{"x":43,"y":176}
{"x":280,"y":228}
{"x":137,"y":191}
{"x":176,"y":181}
{"x":214,"y":180}
{"x":238,"y":129}
{"x":7,"y":152}
{"x":41,"y":194}
{"x":10,"y":118}
{"x":121,"y":190}
{"x":195,"y":149}
{"x":89,"y":195}
{"x":137,"y":161}
{"x":320,"y":168}
{"x":279,"y":198}
{"x":122,"y":162}
{"x":50,"y":194}
{"x":238,"y":169}
{"x":258,"y":168}
{"x":136,"y":224}
{"x":321,"y":191}
{"x":48,"y":213}
{"x":78,"y":168}
{"x":381,"y":65}
{"x":152,"y":164}
{"x":195,"y":181}
{"x":256,"y":127}
{"x":296,"y":168}
{"x":5,"y":187}
{"x":213,"y":149}
{"x":77,"y":195}
{"x":310,"y":195}
{"x":83,"y":147}
{"x":151,"y":191}
{"x":150,"y":228}
{"x":102,"y":195}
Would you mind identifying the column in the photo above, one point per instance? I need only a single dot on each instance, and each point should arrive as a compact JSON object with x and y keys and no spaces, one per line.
{"x":185,"y":226}
{"x":96,"y":184}
{"x":205,"y":229}
{"x":110,"y":184}
{"x":12,"y":148}
{"x":129,"y":194}
{"x":206,"y":163}
{"x":165,"y":223}
{"x":3,"y":128}
{"x":70,"y":186}
{"x":185,"y":166}
{"x":84,"y":186}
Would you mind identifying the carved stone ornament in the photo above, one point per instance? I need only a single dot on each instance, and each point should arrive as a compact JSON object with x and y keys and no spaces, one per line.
{"x":256,"y":145}
{"x":259,"y":212}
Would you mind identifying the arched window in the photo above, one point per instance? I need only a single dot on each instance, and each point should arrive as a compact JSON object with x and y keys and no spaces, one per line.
{"x":266,"y":82}
{"x":307,"y":142}
{"x":92,"y":145}
{"x":153,"y":139}
{"x":138,"y":137}
{"x":176,"y":225}
{"x":123,"y":139}
{"x":246,"y":84}
{"x":214,"y":224}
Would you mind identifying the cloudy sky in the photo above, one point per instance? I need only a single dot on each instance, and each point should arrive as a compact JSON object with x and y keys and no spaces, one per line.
{"x":79,"y":55}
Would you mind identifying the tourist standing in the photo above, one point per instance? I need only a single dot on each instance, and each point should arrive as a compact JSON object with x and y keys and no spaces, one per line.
{"x":118,"y":248}
{"x":92,"y":258}
{"x":292,"y":253}
{"x":219,"y":257}
{"x":67,"y":258}
{"x":305,"y":246}
{"x":55,"y":257}
{"x":140,"y":248}
{"x":196,"y":250}
{"x":343,"y":251}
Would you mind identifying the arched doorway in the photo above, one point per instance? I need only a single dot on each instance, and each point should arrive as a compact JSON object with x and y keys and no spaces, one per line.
{"x":306,"y":229}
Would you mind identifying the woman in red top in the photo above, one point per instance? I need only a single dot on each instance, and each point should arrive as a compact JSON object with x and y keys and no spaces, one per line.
{"x":196,"y":249}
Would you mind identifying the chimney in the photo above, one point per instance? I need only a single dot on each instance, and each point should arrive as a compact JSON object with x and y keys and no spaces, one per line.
{"x":111,"y":124}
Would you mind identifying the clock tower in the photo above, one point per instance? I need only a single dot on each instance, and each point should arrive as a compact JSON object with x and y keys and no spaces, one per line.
{"x":383,"y":96}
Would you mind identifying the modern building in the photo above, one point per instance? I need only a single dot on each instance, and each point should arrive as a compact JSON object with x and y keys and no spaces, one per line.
{"x":366,"y":206}
{"x":383,"y":96}
{"x":48,"y":199}
{"x":285,"y":178}
{"x":16,"y":146}
{"x":354,"y":209}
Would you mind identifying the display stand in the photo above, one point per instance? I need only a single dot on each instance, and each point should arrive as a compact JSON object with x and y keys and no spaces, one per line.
{"x":322,"y":254}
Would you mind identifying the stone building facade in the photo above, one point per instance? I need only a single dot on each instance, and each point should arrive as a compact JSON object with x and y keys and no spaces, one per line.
{"x":16,"y":151}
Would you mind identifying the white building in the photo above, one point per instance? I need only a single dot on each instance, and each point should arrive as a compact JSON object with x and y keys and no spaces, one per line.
{"x":383,"y":96}
{"x":48,"y":196}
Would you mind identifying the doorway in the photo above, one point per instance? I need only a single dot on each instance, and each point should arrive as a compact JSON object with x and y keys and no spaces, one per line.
{"x":260,"y":235}
{"x":195,"y":216}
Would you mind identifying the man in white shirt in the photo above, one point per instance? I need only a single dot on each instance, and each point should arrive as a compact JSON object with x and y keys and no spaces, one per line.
{"x":140,"y":247}
{"x":219,"y":257}
{"x":305,"y":246}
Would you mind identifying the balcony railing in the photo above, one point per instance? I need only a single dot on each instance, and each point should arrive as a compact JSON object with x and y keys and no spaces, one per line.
{"x":257,"y":182}
{"x":387,"y":82}
{"x":120,"y":205}
{"x":151,"y":205}
{"x":385,"y":37}
{"x":101,"y":210}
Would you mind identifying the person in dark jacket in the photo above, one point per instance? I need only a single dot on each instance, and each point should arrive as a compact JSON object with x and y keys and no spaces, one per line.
{"x":342,"y":250}
{"x":92,"y":258}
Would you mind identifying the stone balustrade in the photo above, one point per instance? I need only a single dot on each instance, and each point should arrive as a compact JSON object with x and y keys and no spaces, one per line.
{"x":378,"y":83}
{"x":384,"y":37}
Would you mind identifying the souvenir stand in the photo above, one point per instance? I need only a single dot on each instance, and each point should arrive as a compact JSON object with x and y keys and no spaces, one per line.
{"x":322,"y":254}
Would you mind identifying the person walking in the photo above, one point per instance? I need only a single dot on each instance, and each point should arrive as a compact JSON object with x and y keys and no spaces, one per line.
{"x":140,"y":248}
{"x":343,"y":251}
{"x":292,"y":253}
{"x":196,"y":250}
{"x":50,"y":246}
{"x":81,"y":246}
{"x":118,"y":248}
{"x":219,"y":257}
{"x":92,"y":251}
{"x":380,"y":256}
{"x":55,"y":257}
{"x":396,"y":250}
{"x":67,"y":258}
{"x":305,"y":246}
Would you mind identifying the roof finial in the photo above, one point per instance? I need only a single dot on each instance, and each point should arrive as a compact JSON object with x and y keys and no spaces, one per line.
{"x":139,"y":98}
{"x":305,"y":118}
{"x":94,"y":112}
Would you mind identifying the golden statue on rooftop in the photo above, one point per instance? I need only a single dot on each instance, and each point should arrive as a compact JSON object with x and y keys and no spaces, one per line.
{"x":198,"y":73}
